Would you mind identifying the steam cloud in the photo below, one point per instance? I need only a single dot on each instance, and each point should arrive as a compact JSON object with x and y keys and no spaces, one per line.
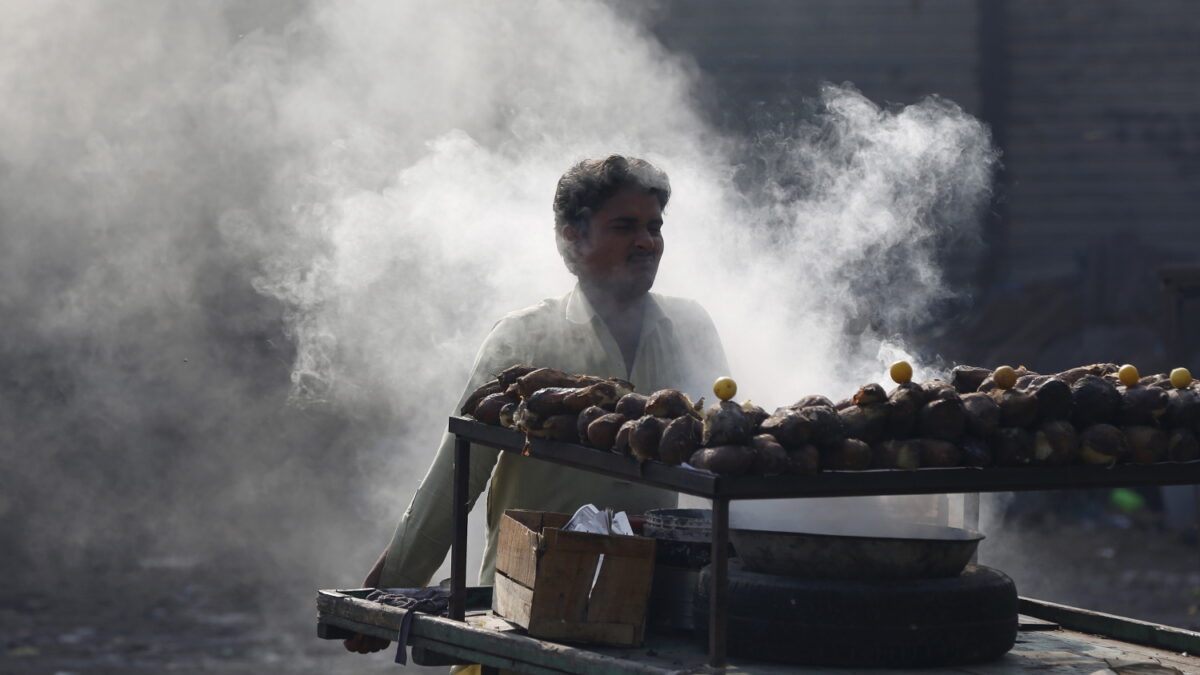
{"x":247,"y":252}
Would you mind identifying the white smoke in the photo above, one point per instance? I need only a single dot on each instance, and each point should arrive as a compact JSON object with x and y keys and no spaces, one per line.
{"x":248,"y":253}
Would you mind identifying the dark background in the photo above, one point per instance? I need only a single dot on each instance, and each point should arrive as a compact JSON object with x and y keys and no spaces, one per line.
{"x":1092,"y":235}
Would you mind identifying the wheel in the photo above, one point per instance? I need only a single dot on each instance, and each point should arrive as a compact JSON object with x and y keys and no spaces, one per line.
{"x":920,"y":622}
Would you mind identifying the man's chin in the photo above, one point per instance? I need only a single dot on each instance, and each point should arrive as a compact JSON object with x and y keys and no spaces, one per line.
{"x":638,"y":286}
{"x":628,"y":287}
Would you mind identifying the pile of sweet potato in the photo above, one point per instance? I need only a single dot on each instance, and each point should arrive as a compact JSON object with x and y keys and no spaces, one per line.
{"x":1083,"y":415}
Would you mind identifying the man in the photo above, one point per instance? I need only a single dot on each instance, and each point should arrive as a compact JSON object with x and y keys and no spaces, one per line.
{"x":608,"y":223}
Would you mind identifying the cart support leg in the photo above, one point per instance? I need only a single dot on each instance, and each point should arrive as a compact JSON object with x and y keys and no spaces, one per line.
{"x":970,"y":519}
{"x":458,"y":554}
{"x":718,"y":592}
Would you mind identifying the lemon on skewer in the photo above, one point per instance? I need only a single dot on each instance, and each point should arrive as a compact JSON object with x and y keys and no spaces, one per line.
{"x":725,"y":388}
{"x":1005,"y":377}
{"x":1180,"y":378}
{"x":1128,"y":375}
{"x":901,"y":372}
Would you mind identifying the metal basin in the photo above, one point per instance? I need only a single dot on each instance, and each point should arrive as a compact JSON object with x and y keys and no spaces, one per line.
{"x":896,"y":551}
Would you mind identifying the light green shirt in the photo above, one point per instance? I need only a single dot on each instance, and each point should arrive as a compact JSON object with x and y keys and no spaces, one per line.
{"x":678,"y":348}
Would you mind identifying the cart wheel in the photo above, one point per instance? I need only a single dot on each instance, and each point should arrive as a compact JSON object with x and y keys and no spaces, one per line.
{"x":921,"y":622}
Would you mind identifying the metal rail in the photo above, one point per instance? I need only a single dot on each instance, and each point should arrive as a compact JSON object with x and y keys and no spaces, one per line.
{"x":722,"y":489}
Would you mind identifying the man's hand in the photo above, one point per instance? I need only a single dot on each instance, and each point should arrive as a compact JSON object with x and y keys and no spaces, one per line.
{"x":366,"y":644}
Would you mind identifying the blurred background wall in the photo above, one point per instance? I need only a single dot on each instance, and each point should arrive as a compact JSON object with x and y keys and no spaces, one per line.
{"x":1093,"y":238}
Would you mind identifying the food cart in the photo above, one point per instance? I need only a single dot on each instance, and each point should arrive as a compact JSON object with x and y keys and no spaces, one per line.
{"x":1053,"y":637}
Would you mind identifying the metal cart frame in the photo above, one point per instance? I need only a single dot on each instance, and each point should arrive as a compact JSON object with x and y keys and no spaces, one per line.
{"x":722,"y":489}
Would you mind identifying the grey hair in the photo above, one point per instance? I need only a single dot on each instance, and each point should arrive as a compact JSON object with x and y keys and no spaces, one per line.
{"x":585,"y":187}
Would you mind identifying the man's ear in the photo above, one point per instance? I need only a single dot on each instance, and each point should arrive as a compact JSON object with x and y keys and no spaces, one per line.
{"x":572,"y":232}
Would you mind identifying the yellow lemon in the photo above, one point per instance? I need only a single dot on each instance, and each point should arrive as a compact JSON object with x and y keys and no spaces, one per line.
{"x":1180,"y":378}
{"x":1004,"y":377}
{"x":724,"y":388}
{"x":1128,"y":375}
{"x":901,"y":372}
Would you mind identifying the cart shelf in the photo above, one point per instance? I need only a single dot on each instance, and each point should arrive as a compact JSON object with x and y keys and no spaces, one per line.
{"x":722,"y":489}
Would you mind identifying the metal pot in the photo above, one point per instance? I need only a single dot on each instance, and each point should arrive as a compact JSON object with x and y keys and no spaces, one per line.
{"x":830,"y":551}
{"x":684,"y":545}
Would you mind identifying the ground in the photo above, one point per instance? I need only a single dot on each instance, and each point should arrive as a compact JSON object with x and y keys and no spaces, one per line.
{"x":191,"y":616}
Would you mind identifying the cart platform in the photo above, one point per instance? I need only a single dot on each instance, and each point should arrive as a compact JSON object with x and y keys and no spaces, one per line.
{"x":1042,"y":645}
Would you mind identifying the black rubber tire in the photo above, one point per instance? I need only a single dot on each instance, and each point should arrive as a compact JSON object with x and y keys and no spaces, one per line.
{"x":903,"y":623}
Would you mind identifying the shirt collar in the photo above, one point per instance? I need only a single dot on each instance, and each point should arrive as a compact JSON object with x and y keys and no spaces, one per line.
{"x":579,"y":309}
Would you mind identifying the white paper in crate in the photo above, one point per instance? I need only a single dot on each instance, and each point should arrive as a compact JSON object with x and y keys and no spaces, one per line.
{"x":591,"y":519}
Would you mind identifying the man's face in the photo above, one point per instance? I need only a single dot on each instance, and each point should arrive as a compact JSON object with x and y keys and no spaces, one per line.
{"x":621,"y":249}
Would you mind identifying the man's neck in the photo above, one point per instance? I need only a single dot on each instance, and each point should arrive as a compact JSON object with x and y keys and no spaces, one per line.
{"x":622,"y":316}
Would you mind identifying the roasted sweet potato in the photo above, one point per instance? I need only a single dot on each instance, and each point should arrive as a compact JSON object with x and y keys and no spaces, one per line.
{"x":944,"y":419}
{"x":789,"y":427}
{"x":904,"y":407}
{"x":850,"y":454}
{"x":868,"y":423}
{"x":1182,"y":446}
{"x":549,"y":401}
{"x":804,"y":460}
{"x":935,"y":452}
{"x":1096,"y":370}
{"x":510,"y":375}
{"x":680,"y":439}
{"x":488,"y":409}
{"x":1147,"y":444}
{"x":603,"y":394}
{"x":1013,"y":446}
{"x":1183,"y":409}
{"x":602,"y":432}
{"x":897,"y":454}
{"x":729,"y":460}
{"x":825,"y":426}
{"x":484,"y":390}
{"x":544,"y":378}
{"x":937,"y":389}
{"x":632,"y":406}
{"x":586,"y":418}
{"x":1053,"y":396}
{"x":1142,"y":405}
{"x":1017,"y":408}
{"x":810,"y":401}
{"x":966,"y":379}
{"x":870,"y":393}
{"x":668,"y":403}
{"x":977,"y":452}
{"x":621,"y":443}
{"x":1056,"y":443}
{"x":645,"y":435}
{"x":983,"y":414}
{"x":755,"y":414}
{"x":1102,"y":444}
{"x":770,"y":459}
{"x":1097,"y":401}
{"x":506,"y":415}
{"x":526,"y":419}
{"x":563,"y":428}
{"x":726,"y":424}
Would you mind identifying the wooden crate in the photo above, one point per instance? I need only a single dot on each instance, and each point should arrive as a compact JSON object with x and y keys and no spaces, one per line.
{"x":544,"y":580}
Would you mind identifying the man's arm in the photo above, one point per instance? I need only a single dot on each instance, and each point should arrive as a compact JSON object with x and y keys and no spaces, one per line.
{"x":366,"y":644}
{"x":426,"y":530}
{"x":423,"y":535}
